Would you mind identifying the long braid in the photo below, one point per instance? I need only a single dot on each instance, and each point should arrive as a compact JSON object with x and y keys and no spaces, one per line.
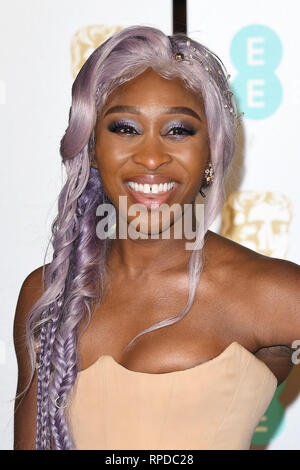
{"x":86,"y":268}
{"x":64,"y":234}
{"x":45,"y":440}
{"x":40,"y":383}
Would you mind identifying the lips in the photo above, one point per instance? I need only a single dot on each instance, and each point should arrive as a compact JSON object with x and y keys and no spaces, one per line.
{"x":150,"y":199}
{"x":151,"y":179}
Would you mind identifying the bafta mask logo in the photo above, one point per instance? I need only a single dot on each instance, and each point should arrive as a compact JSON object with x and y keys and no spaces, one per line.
{"x":258,"y":220}
{"x":86,"y":40}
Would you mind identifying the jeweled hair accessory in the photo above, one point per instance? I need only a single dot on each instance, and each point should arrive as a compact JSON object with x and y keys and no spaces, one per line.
{"x":226,"y":92}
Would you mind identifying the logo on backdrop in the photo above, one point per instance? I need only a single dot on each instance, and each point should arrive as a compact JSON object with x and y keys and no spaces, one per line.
{"x":258,"y":220}
{"x":86,"y":40}
{"x":256,"y":52}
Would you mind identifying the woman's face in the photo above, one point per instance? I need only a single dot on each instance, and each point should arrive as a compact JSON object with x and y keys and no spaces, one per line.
{"x":152,"y":144}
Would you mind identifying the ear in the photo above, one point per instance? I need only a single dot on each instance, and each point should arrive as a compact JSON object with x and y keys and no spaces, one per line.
{"x":92,"y":157}
{"x":92,"y":150}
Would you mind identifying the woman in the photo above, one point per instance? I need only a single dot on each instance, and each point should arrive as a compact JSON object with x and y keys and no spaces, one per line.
{"x":153,"y":121}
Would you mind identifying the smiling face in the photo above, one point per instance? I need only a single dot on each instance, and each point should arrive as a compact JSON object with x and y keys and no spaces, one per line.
{"x":152,"y":143}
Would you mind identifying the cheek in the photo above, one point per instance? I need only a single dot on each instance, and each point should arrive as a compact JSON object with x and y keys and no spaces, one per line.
{"x":107,"y":158}
{"x":194,"y":160}
{"x":110,"y":159}
{"x":110,"y":153}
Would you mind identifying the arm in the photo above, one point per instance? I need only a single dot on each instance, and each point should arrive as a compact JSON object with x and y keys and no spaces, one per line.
{"x":277,"y":301}
{"x":25,"y":406}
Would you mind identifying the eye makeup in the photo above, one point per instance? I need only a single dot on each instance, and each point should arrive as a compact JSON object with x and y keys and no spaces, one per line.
{"x":125,"y":125}
{"x":176,"y":129}
{"x":181,"y":128}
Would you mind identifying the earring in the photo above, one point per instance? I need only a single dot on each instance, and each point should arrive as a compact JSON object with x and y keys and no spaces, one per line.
{"x":208,"y":177}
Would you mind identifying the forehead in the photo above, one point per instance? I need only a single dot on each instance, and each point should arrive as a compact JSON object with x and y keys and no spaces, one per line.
{"x":150,"y":89}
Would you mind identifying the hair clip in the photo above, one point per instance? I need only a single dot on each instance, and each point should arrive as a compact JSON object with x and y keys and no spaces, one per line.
{"x":57,"y":406}
{"x":179,"y":56}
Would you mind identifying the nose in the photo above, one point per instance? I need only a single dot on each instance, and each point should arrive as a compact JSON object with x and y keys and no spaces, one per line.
{"x":152,"y":154}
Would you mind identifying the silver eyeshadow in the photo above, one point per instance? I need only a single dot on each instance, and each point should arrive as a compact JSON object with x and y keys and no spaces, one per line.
{"x":132,"y":129}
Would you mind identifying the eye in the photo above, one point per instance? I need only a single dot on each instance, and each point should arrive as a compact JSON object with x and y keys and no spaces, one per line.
{"x":180,"y":130}
{"x":123,"y":128}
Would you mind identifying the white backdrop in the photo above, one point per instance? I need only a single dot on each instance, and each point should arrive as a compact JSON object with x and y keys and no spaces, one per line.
{"x":35,"y":96}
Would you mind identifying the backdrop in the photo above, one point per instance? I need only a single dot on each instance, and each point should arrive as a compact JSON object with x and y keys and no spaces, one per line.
{"x":46,"y":42}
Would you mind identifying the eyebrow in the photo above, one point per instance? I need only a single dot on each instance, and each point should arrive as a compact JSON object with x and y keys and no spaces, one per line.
{"x":171,"y":110}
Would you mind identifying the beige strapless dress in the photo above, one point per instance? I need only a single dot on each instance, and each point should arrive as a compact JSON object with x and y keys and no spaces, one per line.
{"x":215,"y":405}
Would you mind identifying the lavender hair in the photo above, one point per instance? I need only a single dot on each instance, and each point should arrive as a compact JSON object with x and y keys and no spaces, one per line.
{"x":74,"y":281}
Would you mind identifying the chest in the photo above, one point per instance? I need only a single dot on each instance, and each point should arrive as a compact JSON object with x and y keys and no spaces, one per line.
{"x":129,"y":308}
{"x":213,"y":322}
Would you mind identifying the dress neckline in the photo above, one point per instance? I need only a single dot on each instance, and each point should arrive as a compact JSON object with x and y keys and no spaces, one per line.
{"x":233,"y":345}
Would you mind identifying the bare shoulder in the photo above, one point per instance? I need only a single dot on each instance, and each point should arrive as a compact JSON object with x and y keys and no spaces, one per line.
{"x":25,"y":405}
{"x":233,"y":253}
{"x":31,"y":290}
{"x":231,"y":262}
{"x":269,"y":286}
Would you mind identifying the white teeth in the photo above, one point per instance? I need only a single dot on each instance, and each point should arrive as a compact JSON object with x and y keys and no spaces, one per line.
{"x":151,"y":188}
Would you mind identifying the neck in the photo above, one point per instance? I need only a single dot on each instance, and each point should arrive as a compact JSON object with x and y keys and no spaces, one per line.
{"x":141,"y":258}
{"x":136,"y":259}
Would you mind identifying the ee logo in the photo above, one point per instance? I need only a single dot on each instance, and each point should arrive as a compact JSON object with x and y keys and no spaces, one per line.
{"x":256,"y":52}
